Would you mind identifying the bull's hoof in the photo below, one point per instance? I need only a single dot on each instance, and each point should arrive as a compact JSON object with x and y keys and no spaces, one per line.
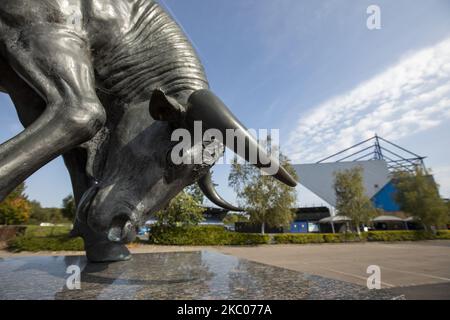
{"x":107,"y":252}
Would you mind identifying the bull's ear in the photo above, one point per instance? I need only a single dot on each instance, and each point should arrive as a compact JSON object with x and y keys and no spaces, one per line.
{"x":165,"y":108}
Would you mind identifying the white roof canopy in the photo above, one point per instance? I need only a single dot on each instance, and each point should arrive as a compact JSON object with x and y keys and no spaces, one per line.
{"x":319,"y":177}
{"x":387,"y":219}
{"x":335,"y":219}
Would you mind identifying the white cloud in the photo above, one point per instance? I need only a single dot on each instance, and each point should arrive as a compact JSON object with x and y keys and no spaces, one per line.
{"x":442,"y":176}
{"x":409,"y":97}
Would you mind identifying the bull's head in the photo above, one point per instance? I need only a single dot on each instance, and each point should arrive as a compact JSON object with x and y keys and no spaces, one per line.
{"x":140,"y":176}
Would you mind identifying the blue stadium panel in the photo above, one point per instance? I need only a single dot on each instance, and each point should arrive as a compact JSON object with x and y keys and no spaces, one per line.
{"x":299,"y":227}
{"x":384,"y":199}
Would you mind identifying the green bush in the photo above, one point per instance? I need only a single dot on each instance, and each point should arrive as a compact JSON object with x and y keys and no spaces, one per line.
{"x":46,"y":239}
{"x":203,"y":235}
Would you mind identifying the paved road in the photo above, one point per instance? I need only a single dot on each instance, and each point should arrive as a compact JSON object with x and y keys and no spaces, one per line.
{"x":414,"y":269}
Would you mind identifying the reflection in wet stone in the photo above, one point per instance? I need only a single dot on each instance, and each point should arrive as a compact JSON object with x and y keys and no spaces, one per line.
{"x":182,"y":275}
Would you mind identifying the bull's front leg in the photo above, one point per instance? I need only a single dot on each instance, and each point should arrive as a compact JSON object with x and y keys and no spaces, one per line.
{"x":55,"y":132}
{"x":56,"y":65}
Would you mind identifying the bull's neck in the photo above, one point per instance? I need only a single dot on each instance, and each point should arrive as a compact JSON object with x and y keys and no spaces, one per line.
{"x":153,"y":52}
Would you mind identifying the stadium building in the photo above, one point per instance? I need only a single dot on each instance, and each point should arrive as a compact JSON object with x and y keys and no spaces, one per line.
{"x":379,"y":159}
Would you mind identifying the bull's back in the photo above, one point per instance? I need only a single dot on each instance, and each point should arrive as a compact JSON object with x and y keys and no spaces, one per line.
{"x":25,"y":13}
{"x":147,"y":51}
{"x":136,"y":46}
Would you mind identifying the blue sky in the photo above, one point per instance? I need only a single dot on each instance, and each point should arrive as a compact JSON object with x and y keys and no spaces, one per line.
{"x":313,"y":70}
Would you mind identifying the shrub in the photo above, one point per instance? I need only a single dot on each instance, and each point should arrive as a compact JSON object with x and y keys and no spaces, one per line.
{"x":203,"y":235}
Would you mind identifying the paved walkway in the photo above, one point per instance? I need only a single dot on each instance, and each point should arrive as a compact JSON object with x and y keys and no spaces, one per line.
{"x":423,"y":267}
{"x":401,"y":263}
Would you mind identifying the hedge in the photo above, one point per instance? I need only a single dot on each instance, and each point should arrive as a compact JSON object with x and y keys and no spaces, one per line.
{"x":46,"y":239}
{"x":203,"y":235}
{"x":407,"y":235}
{"x":37,"y":231}
{"x":303,"y":238}
{"x":54,"y":243}
{"x":57,"y":238}
{"x":443,"y":234}
{"x":287,"y":238}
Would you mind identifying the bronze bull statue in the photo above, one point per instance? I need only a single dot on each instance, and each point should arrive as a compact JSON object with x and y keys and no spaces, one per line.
{"x":104,"y":83}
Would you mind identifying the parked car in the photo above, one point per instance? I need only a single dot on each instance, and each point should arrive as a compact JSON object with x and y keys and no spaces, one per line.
{"x":143,"y":231}
{"x":230,"y":227}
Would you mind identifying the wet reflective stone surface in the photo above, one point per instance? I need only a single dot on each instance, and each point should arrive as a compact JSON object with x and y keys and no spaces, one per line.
{"x":180,"y":275}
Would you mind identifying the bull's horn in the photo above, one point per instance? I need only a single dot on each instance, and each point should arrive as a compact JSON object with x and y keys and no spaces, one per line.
{"x":205,"y":106}
{"x":207,"y":187}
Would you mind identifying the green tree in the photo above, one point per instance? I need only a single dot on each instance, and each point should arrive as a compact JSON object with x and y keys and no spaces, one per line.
{"x":40,"y":214}
{"x":68,"y":209}
{"x":447,"y":202}
{"x":195,"y":192}
{"x":182,"y":210}
{"x":266,"y":200}
{"x":232,"y":218}
{"x":418,"y":194}
{"x":15,"y":209}
{"x":351,"y":199}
